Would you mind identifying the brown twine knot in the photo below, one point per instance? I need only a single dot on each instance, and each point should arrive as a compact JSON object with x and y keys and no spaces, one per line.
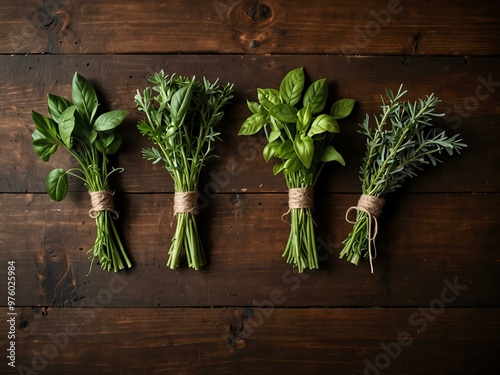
{"x":372,"y":206}
{"x":186,"y":202}
{"x":102,"y":201}
{"x":299,"y":198}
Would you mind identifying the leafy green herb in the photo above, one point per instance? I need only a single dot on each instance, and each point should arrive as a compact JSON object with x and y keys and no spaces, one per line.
{"x":73,"y":126}
{"x":299,"y":136}
{"x":181,"y":114}
{"x":400,"y":144}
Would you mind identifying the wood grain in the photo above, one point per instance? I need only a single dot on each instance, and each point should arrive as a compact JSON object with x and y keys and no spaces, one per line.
{"x":26,"y":80}
{"x":256,"y":340}
{"x":424,"y":240}
{"x":273,"y":27}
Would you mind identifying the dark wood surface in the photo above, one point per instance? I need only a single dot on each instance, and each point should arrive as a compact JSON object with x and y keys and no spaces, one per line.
{"x":437,"y":272}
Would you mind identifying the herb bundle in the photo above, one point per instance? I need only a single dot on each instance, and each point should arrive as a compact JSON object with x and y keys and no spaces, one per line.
{"x":300,"y":137}
{"x":89,"y":140}
{"x":181,"y":114}
{"x":400,"y":144}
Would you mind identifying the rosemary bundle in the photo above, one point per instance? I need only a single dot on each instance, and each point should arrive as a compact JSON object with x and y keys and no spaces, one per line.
{"x":181,"y":114}
{"x":401,"y":143}
{"x":299,"y":135}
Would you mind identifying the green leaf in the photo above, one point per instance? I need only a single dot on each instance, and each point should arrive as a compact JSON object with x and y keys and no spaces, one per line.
{"x":110,"y":120}
{"x":57,"y":105}
{"x":46,"y":126}
{"x":252,"y":125}
{"x":275,"y":134}
{"x":57,"y":184}
{"x":292,"y":85}
{"x":292,"y":165}
{"x":109,"y":143}
{"x":43,"y":147}
{"x":285,"y":150}
{"x":342,"y":108}
{"x":253,"y":106}
{"x":180,"y":104}
{"x":268,"y":97}
{"x":331,"y":154}
{"x":278,"y":167}
{"x":304,"y":148}
{"x":323,"y":123}
{"x":283,"y":112}
{"x":270,"y":149}
{"x":84,"y":98}
{"x":66,"y":125}
{"x":304,"y":117}
{"x":316,"y":95}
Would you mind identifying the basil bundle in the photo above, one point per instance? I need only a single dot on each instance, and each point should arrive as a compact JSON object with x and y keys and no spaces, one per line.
{"x":73,"y":125}
{"x":299,"y":135}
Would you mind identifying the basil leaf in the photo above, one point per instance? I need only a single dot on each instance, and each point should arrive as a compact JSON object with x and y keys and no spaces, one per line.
{"x":253,"y":106}
{"x":270,"y":150}
{"x":274,"y":135}
{"x":109,"y":143}
{"x":180,"y":104}
{"x":252,"y":125}
{"x":283,"y":112}
{"x":268,"y":97}
{"x":278,"y":168}
{"x":304,"y":148}
{"x":324,"y":123}
{"x":342,"y":108}
{"x":292,"y":85}
{"x":110,"y":120}
{"x":66,"y":125}
{"x":46,"y":126}
{"x":57,"y":105}
{"x":331,"y":154}
{"x":304,"y":118}
{"x":285,"y":150}
{"x":292,"y":165}
{"x":57,"y":184}
{"x":84,"y":98}
{"x":43,"y":147}
{"x":316,"y":95}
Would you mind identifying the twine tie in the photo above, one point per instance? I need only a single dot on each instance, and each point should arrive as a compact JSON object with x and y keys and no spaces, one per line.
{"x":102,"y":201}
{"x":372,"y":206}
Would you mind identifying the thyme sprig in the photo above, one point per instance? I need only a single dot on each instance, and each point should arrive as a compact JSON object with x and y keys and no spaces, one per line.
{"x":401,"y":143}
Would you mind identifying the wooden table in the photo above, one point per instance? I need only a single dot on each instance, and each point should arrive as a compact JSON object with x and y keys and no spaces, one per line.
{"x":432,"y":304}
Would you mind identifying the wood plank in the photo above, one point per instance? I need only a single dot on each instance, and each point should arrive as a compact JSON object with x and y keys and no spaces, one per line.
{"x":470,"y":103}
{"x":250,"y":341}
{"x":273,"y":27}
{"x":425,"y":242}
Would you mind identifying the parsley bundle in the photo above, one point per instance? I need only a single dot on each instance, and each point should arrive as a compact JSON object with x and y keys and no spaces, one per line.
{"x":89,"y":140}
{"x":299,"y":136}
{"x":180,"y":120}
{"x":400,"y":144}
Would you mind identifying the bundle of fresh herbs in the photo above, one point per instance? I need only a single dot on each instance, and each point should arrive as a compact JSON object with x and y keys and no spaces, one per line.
{"x":401,"y":143}
{"x":299,"y":135}
{"x":89,"y":139}
{"x":181,"y":115}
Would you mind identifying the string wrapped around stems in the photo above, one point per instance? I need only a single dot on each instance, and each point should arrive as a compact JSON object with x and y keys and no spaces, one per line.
{"x":372,"y":206}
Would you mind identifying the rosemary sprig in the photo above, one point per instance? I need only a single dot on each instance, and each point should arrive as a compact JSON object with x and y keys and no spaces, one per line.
{"x":401,"y":143}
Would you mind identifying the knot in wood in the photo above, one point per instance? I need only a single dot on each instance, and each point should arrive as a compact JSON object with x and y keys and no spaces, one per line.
{"x":259,"y":12}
